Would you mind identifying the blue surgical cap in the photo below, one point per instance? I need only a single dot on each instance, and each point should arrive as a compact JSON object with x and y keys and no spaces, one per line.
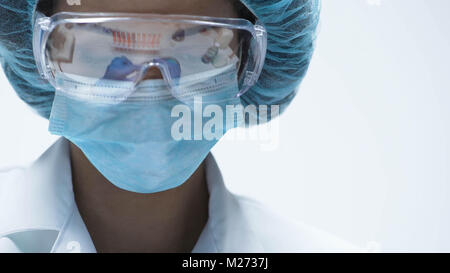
{"x":291,"y":27}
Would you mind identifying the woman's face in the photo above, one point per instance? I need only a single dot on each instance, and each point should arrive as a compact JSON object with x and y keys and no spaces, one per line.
{"x":213,"y":8}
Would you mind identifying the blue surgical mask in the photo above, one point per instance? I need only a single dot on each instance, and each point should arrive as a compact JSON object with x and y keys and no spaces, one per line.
{"x":129,"y":138}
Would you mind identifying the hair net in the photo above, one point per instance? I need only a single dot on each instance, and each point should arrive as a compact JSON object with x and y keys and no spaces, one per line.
{"x":290,"y":24}
{"x":16,"y":54}
{"x":291,"y":28}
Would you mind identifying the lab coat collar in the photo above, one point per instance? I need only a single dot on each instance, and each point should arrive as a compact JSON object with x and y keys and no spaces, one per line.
{"x":39,"y":197}
{"x":227,"y":229}
{"x":48,"y":203}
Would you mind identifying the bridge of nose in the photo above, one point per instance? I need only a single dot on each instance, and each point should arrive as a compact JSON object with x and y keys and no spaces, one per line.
{"x":161,"y":68}
{"x":152,"y":73}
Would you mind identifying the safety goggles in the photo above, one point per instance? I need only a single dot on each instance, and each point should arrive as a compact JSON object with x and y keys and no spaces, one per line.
{"x":121,"y":49}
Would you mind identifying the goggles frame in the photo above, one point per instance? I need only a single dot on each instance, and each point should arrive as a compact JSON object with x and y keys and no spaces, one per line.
{"x":44,"y":25}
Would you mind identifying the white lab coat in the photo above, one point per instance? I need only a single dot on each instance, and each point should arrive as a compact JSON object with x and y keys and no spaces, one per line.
{"x":38,"y":214}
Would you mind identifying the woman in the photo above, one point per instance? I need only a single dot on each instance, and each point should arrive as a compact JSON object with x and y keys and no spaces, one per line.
{"x":121,"y":178}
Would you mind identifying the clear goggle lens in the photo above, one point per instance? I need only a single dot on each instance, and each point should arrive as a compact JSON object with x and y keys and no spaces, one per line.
{"x":127,"y":53}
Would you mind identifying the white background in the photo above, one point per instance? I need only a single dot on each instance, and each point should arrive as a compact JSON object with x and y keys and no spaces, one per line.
{"x":364,"y":148}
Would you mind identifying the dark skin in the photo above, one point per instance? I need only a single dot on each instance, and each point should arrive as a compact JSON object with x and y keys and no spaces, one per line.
{"x":123,"y":221}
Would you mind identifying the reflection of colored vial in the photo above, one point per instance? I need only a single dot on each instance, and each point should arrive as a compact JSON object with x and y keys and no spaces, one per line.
{"x":210,"y":54}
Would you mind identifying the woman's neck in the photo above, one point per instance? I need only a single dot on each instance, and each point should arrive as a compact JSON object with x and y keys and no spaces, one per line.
{"x":122,"y":221}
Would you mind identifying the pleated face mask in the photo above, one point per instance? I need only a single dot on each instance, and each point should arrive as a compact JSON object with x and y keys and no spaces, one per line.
{"x":146,"y":142}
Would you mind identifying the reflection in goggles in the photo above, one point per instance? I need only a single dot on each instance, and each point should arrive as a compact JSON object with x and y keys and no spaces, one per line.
{"x":121,"y":68}
{"x":181,"y":34}
{"x":124,"y":52}
{"x":146,"y":41}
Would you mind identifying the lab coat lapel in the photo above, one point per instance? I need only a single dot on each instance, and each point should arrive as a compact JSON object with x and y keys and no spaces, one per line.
{"x":74,"y":236}
{"x":227,"y":229}
{"x":39,"y":198}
